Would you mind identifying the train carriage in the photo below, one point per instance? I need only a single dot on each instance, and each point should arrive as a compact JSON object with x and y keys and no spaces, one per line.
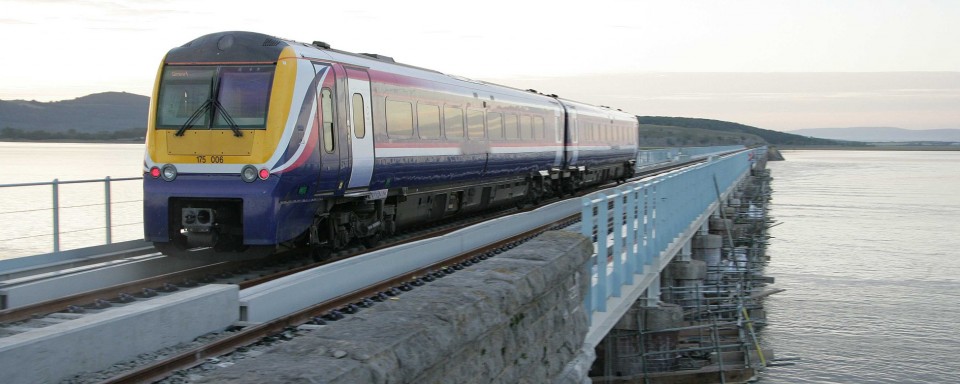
{"x":600,"y":143}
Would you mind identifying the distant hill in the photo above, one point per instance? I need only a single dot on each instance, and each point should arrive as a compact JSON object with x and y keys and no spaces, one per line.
{"x":882,"y":134}
{"x":771,"y":137}
{"x":668,"y":136}
{"x":99,"y":112}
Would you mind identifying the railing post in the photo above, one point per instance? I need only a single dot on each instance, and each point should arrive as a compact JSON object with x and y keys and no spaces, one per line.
{"x":602,"y":253}
{"x":631,"y":229}
{"x":618,"y":226}
{"x":56,"y":215}
{"x":107,"y":213}
{"x":654,"y":236}
{"x":645,"y":245}
{"x":586,"y":229}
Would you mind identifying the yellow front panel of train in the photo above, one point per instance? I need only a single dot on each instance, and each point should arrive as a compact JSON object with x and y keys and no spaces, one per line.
{"x":210,"y":142}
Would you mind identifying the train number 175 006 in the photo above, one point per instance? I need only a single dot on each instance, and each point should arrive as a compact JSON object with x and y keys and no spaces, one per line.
{"x":212,"y":159}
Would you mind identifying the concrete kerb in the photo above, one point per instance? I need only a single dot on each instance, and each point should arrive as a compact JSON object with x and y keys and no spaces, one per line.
{"x":24,"y":291}
{"x":96,"y":341}
{"x":14,"y":268}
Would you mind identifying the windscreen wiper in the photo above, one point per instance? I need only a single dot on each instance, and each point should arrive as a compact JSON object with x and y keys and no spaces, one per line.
{"x":196,"y":114}
{"x":226,"y":116}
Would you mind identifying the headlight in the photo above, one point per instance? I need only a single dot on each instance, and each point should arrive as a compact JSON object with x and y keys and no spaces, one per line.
{"x":248,"y":173}
{"x":169,"y":172}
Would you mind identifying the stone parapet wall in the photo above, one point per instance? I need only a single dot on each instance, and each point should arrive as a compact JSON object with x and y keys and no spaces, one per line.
{"x":514,"y":318}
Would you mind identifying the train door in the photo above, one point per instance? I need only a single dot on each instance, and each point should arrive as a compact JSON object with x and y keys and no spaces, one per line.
{"x":332,"y":177}
{"x":360,"y":128}
{"x":573,"y":136}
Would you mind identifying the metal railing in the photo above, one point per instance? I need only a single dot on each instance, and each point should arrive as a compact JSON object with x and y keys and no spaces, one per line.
{"x":645,"y":218}
{"x":13,"y":201}
{"x":651,"y":157}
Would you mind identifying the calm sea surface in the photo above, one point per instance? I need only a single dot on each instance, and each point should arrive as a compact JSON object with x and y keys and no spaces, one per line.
{"x":869,"y":252}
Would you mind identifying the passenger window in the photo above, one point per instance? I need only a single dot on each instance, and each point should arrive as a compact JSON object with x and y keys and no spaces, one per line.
{"x":525,"y":126}
{"x":538,"y":125}
{"x":510,"y":126}
{"x":359,"y":124}
{"x":428,"y":121}
{"x":326,"y":107}
{"x":494,"y":126}
{"x":453,"y":123}
{"x":474,"y":124}
{"x":399,"y":118}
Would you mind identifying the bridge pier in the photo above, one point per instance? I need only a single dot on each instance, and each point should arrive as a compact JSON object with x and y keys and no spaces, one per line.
{"x":706,"y":248}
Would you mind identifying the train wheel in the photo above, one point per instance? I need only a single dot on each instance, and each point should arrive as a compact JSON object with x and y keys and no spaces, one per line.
{"x":371,"y":241}
{"x":318,"y":253}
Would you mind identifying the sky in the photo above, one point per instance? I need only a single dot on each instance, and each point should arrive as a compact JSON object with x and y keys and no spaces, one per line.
{"x":774,"y":64}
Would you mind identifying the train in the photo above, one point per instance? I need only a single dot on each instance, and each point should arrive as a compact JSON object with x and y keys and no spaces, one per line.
{"x":257,"y":144}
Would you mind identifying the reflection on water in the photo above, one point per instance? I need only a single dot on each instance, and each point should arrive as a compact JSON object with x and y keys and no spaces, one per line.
{"x":868,"y":253}
{"x":27,"y":211}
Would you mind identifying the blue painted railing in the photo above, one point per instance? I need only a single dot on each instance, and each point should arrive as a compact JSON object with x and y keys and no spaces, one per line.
{"x":652,"y":157}
{"x":646,"y":217}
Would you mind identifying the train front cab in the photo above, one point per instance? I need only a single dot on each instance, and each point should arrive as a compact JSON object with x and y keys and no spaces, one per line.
{"x":220,"y":129}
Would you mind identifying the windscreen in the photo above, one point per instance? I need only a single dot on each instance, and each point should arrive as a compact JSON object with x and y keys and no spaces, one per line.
{"x":204,"y":97}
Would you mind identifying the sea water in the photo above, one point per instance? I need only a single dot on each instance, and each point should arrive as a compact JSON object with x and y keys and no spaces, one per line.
{"x":868,"y":251}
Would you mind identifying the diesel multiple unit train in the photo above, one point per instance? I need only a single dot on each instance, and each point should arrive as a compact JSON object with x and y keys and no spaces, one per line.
{"x":257,"y":143}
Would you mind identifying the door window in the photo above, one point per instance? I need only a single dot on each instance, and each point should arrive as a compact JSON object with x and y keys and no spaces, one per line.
{"x":359,"y":123}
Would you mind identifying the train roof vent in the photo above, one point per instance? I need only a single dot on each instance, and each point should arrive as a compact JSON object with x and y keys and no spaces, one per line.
{"x":379,"y":57}
{"x":270,"y":42}
{"x":321,"y":44}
